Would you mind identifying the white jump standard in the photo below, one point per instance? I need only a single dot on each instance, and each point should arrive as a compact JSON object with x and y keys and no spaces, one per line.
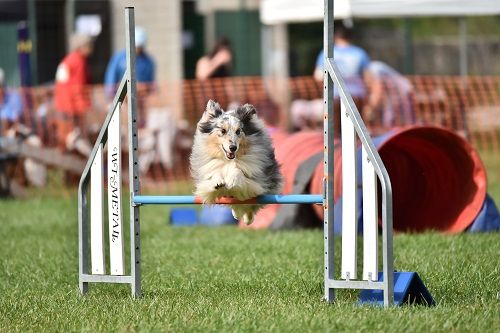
{"x":110,"y":132}
{"x":352,"y":126}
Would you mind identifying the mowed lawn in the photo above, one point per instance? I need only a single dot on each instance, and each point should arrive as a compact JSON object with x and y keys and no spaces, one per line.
{"x":227,"y":280}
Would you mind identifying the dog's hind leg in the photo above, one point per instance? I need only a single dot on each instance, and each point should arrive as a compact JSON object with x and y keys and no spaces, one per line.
{"x":238,"y":212}
{"x":248,"y":217}
{"x":245,"y":213}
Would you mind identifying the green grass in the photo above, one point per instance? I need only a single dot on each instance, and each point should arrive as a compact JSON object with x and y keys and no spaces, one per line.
{"x":225,"y":279}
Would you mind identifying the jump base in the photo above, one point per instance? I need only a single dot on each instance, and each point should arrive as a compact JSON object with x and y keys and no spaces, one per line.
{"x":408,"y":289}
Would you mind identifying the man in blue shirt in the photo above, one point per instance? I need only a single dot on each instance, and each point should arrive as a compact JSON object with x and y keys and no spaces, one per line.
{"x":145,"y":67}
{"x":11,"y":106}
{"x":351,"y":60}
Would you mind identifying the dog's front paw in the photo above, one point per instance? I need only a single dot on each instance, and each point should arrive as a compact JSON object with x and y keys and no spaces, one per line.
{"x":219,"y":186}
{"x":218,"y":182}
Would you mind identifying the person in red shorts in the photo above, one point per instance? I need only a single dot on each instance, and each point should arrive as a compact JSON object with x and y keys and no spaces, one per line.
{"x":71,"y":95}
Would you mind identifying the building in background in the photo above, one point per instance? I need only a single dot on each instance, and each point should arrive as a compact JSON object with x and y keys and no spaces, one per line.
{"x":266,"y":39}
{"x":237,"y":20}
{"x":48,"y":23}
{"x":51,"y":22}
{"x":163,"y":22}
{"x":421,"y":37}
{"x":11,"y":13}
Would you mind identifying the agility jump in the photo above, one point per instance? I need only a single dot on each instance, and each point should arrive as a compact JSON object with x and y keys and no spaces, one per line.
{"x":352,"y":128}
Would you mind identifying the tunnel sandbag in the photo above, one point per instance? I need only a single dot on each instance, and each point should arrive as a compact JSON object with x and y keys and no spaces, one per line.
{"x":488,"y":219}
{"x":438,"y":179}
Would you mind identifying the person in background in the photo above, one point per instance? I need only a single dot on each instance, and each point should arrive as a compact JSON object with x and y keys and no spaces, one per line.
{"x":269,"y":112}
{"x":307,"y":115}
{"x":11,"y":106}
{"x":71,"y":95}
{"x":352,"y":62}
{"x":145,"y":67}
{"x":45,"y":112}
{"x":217,"y":63}
{"x":389,"y":102}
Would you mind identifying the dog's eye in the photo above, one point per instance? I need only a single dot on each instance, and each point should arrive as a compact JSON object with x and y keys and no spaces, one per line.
{"x":238,"y":131}
{"x":223,"y":131}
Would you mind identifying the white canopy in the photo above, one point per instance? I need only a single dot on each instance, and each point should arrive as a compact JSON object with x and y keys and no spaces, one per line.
{"x":284,"y":11}
{"x":287,"y":11}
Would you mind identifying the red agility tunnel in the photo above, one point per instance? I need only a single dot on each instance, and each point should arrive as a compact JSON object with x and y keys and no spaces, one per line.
{"x":291,"y":151}
{"x":438,"y":179}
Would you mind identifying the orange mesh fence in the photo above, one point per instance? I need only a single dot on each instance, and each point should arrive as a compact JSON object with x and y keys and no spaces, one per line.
{"x":470,"y":106}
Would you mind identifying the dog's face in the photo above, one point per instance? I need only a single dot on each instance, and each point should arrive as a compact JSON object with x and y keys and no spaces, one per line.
{"x":227,"y":131}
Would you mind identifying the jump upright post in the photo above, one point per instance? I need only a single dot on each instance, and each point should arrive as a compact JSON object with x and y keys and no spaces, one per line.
{"x":372,"y":168}
{"x":111,"y":133}
{"x":352,"y":127}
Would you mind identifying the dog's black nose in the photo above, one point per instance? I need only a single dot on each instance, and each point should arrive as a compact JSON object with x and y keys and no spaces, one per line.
{"x":232,"y":148}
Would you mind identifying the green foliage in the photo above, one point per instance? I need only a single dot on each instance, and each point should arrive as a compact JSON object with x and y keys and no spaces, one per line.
{"x":225,"y":279}
{"x":482,"y":26}
{"x":431,"y":27}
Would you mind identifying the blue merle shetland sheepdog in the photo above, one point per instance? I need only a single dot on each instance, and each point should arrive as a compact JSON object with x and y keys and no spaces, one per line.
{"x":233,"y":157}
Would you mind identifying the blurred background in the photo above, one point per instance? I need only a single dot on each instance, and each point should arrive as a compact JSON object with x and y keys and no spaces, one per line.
{"x":437,"y":65}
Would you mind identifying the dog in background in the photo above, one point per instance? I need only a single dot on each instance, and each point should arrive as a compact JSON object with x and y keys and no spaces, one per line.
{"x":233,"y":156}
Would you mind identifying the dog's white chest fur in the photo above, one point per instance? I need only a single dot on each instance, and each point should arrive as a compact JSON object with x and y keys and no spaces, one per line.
{"x":227,"y":178}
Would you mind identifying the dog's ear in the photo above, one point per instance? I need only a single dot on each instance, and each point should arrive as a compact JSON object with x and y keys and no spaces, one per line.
{"x":246,"y":112}
{"x":213,"y":110}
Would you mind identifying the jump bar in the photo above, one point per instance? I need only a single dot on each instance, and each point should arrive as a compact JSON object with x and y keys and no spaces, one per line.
{"x":263,"y":199}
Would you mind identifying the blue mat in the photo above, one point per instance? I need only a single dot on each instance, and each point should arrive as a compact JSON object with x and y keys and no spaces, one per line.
{"x":183,"y":216}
